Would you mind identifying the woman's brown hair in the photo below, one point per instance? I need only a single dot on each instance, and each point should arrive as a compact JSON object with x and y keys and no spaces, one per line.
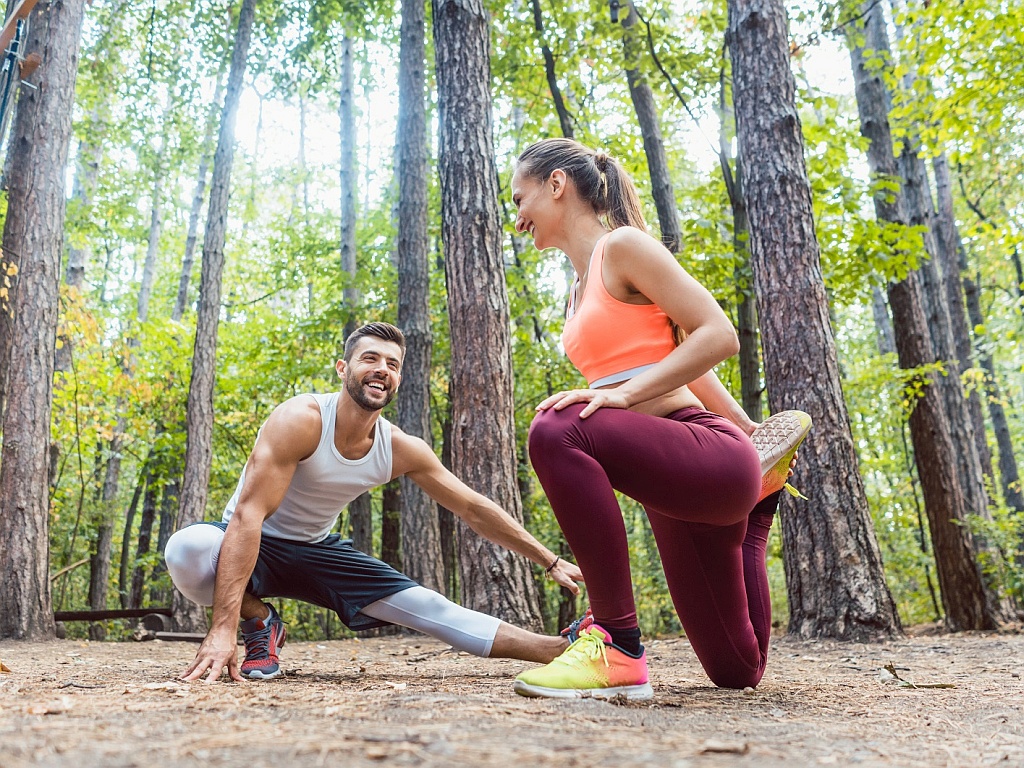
{"x":599,"y":179}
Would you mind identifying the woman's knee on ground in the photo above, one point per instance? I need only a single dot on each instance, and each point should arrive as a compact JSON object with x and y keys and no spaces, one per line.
{"x":191,"y":557}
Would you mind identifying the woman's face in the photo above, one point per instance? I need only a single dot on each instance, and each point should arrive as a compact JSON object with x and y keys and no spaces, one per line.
{"x":532,"y":199}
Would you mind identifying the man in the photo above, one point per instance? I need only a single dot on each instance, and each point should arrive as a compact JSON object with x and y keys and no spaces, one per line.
{"x":312,"y":457}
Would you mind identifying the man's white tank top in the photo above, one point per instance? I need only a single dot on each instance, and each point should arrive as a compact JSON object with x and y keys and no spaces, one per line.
{"x":325,"y":482}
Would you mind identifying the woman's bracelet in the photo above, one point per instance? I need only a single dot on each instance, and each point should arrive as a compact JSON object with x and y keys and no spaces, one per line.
{"x":553,"y":564}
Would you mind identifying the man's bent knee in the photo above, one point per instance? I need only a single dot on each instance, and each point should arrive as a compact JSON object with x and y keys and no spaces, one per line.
{"x":191,"y":555}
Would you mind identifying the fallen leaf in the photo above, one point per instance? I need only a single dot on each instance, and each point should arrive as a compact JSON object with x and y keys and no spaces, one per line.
{"x":397,"y":686}
{"x":4,"y":667}
{"x":893,"y":675}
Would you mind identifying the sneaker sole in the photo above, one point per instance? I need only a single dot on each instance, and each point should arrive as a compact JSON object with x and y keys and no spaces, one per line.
{"x":631,"y":692}
{"x":258,"y":674}
{"x":777,"y":440}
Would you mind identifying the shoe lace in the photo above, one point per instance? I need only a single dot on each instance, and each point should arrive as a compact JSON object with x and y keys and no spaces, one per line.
{"x":588,"y":648}
{"x":257,"y":643}
{"x":577,"y":626}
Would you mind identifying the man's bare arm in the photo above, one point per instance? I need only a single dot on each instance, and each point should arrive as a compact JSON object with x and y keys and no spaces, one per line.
{"x":289,"y":435}
{"x":413,"y":458}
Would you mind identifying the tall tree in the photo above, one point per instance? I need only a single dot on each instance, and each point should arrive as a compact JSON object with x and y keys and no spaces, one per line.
{"x":359,"y":510}
{"x":963,"y":592}
{"x":564,"y":117}
{"x":746,"y":306}
{"x":833,"y":567}
{"x":421,"y":535}
{"x":32,"y":239}
{"x":199,"y":419}
{"x":650,"y":128}
{"x":493,"y":580}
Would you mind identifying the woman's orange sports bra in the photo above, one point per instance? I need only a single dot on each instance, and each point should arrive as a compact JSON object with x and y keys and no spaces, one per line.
{"x":608,"y":340}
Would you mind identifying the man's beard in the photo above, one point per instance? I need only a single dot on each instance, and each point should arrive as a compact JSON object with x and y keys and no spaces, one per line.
{"x":354,"y":387}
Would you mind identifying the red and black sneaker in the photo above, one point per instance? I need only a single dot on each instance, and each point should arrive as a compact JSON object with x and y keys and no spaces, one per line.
{"x":572,"y":632}
{"x":263,"y":640}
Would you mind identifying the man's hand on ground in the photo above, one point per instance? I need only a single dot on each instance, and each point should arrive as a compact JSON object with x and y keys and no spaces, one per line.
{"x":217,"y":653}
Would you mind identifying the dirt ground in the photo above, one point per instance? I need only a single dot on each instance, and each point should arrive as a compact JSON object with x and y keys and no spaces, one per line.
{"x":412,"y":701}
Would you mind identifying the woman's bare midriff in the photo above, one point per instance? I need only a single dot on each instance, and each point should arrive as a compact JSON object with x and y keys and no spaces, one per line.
{"x":668,"y":403}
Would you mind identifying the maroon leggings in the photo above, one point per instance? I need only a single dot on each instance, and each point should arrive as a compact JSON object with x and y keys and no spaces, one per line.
{"x":698,"y":477}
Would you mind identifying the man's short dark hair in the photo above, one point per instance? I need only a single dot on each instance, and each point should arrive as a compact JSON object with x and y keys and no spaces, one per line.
{"x":385,"y":331}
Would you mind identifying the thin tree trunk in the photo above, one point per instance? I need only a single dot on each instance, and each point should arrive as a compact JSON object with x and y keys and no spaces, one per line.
{"x":746,"y":306}
{"x":99,"y":575}
{"x":360,"y":509}
{"x":421,"y":536}
{"x":391,"y":526}
{"x":564,"y":118}
{"x":145,"y":538}
{"x":963,"y":591}
{"x":126,"y":539}
{"x":947,"y":237}
{"x":654,"y":146}
{"x":1008,"y":473}
{"x":833,"y":567}
{"x":884,"y":334}
{"x":32,"y":236}
{"x":493,"y":580}
{"x":199,"y":441}
{"x":198,"y":196}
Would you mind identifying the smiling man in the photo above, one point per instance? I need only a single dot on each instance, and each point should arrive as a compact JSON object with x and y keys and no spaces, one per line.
{"x":314,"y":455}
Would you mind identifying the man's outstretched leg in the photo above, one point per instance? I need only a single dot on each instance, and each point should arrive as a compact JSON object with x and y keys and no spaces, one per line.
{"x":429,"y":612}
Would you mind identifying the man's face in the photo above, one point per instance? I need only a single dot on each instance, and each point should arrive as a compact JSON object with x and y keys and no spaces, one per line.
{"x":373,"y":373}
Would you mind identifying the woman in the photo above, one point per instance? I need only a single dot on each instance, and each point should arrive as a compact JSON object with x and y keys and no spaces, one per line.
{"x":654,"y":423}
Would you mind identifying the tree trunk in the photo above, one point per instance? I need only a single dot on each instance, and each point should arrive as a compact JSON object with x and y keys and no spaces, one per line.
{"x":1008,"y":474}
{"x":199,"y":420}
{"x":654,"y":147}
{"x":99,"y":575}
{"x":493,"y":580}
{"x":746,"y":307}
{"x":947,"y":238}
{"x":32,"y":239}
{"x":884,"y":333}
{"x":360,"y":511}
{"x":126,"y":539}
{"x":963,"y":592}
{"x":198,"y":196}
{"x":391,"y":526}
{"x":564,"y":118}
{"x":917,"y":193}
{"x":421,"y":536}
{"x":833,"y":567}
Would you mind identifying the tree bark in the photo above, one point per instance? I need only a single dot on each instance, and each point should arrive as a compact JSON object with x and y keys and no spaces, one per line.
{"x":746,"y":306}
{"x":32,"y":239}
{"x":185,"y":277}
{"x":833,"y":567}
{"x":654,"y":147}
{"x":947,"y":237}
{"x":884,"y":333}
{"x":199,"y":419}
{"x":360,"y":510}
{"x":391,"y":526}
{"x":493,"y":580}
{"x":963,"y":591}
{"x":421,"y":535}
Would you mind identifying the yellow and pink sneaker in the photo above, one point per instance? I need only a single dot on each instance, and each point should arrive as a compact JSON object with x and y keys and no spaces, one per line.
{"x":776,"y":440}
{"x":589,"y":668}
